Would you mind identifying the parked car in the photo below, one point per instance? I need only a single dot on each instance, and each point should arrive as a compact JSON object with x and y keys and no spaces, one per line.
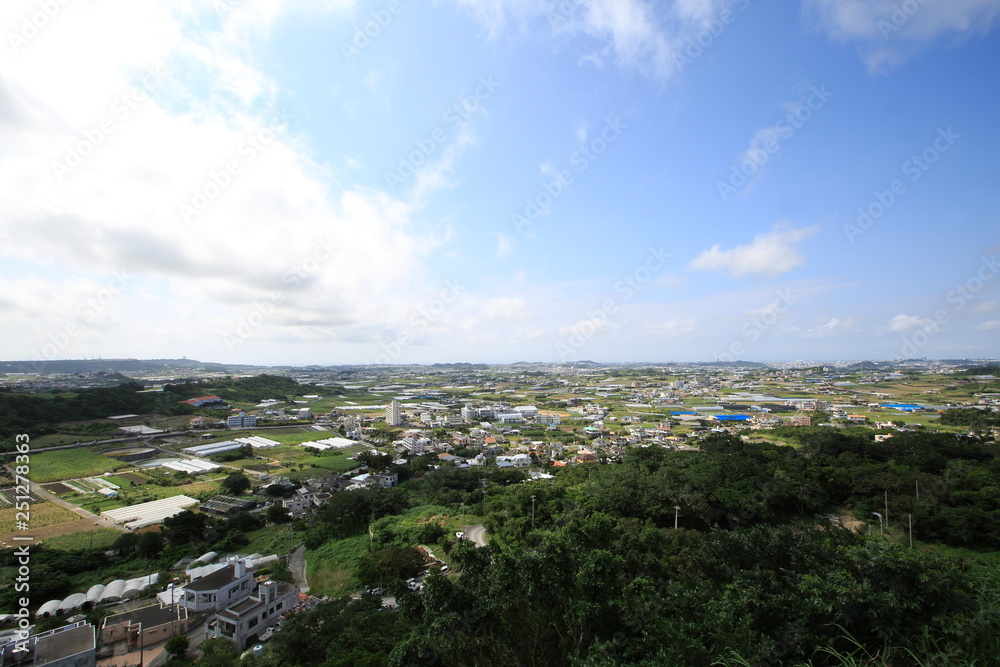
{"x":266,"y":635}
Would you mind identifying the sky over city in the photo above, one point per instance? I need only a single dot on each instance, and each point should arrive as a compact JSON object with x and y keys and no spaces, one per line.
{"x":393,"y":181}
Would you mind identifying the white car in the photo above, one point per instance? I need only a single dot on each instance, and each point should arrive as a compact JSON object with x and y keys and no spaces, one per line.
{"x":460,"y":535}
{"x":267,"y":634}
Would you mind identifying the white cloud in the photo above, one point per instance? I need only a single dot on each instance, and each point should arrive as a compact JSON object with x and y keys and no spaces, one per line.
{"x":904,"y":322}
{"x":888,"y":32}
{"x":989,"y":325}
{"x":268,"y":235}
{"x":504,"y":245}
{"x":770,"y":254}
{"x":504,"y":308}
{"x":673,"y":327}
{"x":642,"y":35}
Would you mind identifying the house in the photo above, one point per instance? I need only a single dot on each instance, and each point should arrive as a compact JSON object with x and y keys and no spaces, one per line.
{"x":225,"y":586}
{"x":145,"y":626}
{"x":385,"y":479}
{"x":585,"y":455}
{"x":521,"y":461}
{"x":800,"y":420}
{"x":247,"y":619}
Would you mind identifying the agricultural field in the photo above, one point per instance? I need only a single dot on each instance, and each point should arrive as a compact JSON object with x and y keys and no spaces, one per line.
{"x":71,"y":463}
{"x":128,"y":495}
{"x":96,"y":538}
{"x":42,"y":514}
{"x":57,"y":439}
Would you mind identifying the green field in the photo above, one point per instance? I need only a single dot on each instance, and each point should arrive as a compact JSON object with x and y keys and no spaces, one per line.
{"x":102,"y":538}
{"x":57,"y":439}
{"x":70,"y":464}
{"x":329,"y":568}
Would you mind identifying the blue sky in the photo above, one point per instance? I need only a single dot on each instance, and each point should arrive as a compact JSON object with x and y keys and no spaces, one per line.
{"x":346,"y":181}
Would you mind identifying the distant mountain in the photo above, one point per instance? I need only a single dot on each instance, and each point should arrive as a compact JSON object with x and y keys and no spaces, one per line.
{"x":68,"y":366}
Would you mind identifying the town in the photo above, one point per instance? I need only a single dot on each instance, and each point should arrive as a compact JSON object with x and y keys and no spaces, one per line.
{"x":266,"y":470}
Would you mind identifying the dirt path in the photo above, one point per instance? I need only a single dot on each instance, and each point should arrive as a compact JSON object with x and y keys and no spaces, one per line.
{"x":297,"y":566}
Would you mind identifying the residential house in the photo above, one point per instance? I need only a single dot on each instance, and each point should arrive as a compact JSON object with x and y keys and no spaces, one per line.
{"x":214,"y":591}
{"x":247,"y":619}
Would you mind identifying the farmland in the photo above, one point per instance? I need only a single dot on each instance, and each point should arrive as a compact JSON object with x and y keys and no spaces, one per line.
{"x":42,"y":514}
{"x":68,"y":463}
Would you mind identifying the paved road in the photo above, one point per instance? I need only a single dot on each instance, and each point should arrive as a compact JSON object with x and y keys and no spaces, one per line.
{"x":297,"y":566}
{"x":477,"y":534}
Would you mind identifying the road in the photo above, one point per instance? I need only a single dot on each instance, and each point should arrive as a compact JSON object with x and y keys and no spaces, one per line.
{"x":477,"y":534}
{"x":297,"y":566}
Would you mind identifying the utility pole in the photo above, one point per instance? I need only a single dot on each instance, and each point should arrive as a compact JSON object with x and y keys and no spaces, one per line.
{"x":917,"y":483}
{"x":677,"y":510}
{"x":911,"y":529}
{"x":887,"y":508}
{"x":532,"y":511}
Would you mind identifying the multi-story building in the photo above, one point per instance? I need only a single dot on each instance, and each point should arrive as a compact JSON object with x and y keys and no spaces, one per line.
{"x":225,"y":586}
{"x":247,"y":619}
{"x":242,"y":420}
{"x":393,"y":417}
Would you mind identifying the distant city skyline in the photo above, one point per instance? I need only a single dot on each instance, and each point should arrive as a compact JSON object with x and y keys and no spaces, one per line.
{"x":491,"y":181}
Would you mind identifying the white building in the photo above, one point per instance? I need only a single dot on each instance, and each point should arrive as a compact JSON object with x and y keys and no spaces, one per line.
{"x":245,"y":620}
{"x":527,"y":410}
{"x":242,"y":420}
{"x":547,"y":418}
{"x":305,"y":413}
{"x":224,"y":587}
{"x":392,"y":413}
{"x":521,"y":461}
{"x":510,"y":418}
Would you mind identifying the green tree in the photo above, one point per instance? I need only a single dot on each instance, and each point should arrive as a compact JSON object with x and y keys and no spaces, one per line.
{"x":177,"y":646}
{"x":236,"y":483}
{"x":150,"y":545}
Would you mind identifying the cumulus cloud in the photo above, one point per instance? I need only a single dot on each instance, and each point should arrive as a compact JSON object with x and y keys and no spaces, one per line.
{"x":159,"y":151}
{"x":888,"y":32}
{"x":770,"y":254}
{"x":904,"y":322}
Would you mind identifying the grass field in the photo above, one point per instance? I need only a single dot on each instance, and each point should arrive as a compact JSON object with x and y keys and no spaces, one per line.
{"x":41,"y":515}
{"x":56,"y":439}
{"x":70,"y":464}
{"x":102,"y":538}
{"x":328,"y":569}
{"x":270,"y":540}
